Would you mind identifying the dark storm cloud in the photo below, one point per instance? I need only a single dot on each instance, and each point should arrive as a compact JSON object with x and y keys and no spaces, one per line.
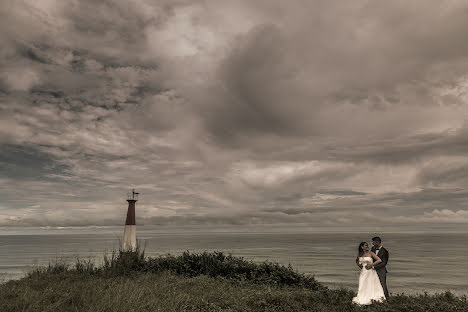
{"x":247,"y":73}
{"x":406,"y":149}
{"x":324,"y":113}
{"x":22,"y":162}
{"x":297,"y":77}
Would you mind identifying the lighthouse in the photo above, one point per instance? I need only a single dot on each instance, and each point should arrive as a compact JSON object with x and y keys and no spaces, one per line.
{"x":129,"y":237}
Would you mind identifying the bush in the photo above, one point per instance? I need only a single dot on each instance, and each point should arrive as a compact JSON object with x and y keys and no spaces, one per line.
{"x":216,"y":264}
{"x":230,"y":267}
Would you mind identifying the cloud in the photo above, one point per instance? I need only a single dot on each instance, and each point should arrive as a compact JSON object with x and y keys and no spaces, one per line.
{"x":447,"y":216}
{"x":444,"y":172}
{"x":233,"y":112}
{"x":439,"y":217}
{"x":20,"y":79}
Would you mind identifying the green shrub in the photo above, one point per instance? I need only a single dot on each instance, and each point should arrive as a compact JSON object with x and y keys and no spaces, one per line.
{"x":216,"y":264}
{"x":230,"y":267}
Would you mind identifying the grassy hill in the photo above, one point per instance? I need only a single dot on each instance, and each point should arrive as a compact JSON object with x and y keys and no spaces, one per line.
{"x":129,"y":281}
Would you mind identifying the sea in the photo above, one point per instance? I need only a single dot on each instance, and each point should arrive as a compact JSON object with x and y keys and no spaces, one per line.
{"x":419,"y":262}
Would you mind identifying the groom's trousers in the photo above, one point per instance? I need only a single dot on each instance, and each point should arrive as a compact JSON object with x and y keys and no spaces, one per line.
{"x":383,"y":280}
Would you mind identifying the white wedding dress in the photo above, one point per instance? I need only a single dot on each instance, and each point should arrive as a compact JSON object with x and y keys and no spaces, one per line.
{"x":369,"y":284}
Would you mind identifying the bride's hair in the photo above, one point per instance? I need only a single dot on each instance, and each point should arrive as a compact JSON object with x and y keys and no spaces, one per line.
{"x":360,"y":250}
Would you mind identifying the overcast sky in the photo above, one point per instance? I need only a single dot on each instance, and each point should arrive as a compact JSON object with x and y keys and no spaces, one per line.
{"x":324,"y":114}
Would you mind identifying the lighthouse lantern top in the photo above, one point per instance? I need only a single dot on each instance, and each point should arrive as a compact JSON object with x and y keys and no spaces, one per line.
{"x":132,"y":195}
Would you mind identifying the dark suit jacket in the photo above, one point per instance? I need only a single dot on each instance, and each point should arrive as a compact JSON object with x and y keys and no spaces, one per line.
{"x":383,"y":254}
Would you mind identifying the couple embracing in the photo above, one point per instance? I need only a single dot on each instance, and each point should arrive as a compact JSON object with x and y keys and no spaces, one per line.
{"x":373,"y":277}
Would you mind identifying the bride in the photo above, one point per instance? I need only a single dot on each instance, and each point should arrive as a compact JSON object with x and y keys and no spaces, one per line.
{"x":369,"y":283}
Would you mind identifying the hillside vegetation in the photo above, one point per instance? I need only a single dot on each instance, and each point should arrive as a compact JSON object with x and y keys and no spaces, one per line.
{"x":129,"y":281}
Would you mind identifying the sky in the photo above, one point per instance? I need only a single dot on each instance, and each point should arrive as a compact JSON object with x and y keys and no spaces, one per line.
{"x":316,"y":114}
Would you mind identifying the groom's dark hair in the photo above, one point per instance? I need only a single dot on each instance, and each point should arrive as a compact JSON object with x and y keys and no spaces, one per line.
{"x":376,"y":239}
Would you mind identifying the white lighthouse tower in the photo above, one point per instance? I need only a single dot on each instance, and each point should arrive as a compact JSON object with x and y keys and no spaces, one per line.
{"x":129,"y":238}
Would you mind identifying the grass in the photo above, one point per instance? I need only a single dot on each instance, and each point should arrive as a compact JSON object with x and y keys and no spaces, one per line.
{"x":129,"y":281}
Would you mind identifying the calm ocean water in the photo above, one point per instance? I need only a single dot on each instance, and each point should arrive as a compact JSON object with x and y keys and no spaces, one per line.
{"x":419,"y":262}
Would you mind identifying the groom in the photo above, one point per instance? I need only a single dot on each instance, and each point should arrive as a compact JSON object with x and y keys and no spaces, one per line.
{"x":380,"y":268}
